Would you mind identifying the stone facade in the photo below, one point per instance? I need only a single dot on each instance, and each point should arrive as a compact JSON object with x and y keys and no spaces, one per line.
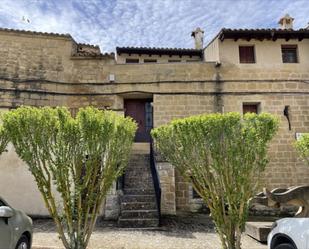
{"x":40,"y":69}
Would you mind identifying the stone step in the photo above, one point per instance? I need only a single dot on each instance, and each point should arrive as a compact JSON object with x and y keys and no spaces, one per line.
{"x":138,"y":198}
{"x":138,"y":179}
{"x":141,"y":148}
{"x":134,"y":185}
{"x":139,"y":170}
{"x":139,"y":158}
{"x":139,"y":164}
{"x":137,"y":184}
{"x":138,"y":223}
{"x":142,"y":162}
{"x":126,"y":214}
{"x":138,"y":205}
{"x":139,"y":174}
{"x":258,"y":230}
{"x":138,"y":191}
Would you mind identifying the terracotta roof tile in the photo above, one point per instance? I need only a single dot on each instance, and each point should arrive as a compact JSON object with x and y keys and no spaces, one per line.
{"x":263,"y":34}
{"x":35,"y":32}
{"x":159,"y":51}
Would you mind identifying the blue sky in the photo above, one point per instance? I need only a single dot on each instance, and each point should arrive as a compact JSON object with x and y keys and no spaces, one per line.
{"x":151,"y":23}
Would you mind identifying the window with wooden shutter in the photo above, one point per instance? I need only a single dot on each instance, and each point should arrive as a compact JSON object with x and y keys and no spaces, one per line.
{"x":289,"y":53}
{"x":246,"y":54}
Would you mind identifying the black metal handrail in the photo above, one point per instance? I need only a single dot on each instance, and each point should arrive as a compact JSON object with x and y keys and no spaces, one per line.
{"x":120,"y":182}
{"x":156,"y":179}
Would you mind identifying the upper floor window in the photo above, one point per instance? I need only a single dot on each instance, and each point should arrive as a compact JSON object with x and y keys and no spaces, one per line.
{"x":174,"y":61}
{"x":246,"y":54}
{"x":150,"y":60}
{"x":193,"y":60}
{"x":289,"y":53}
{"x":132,"y":60}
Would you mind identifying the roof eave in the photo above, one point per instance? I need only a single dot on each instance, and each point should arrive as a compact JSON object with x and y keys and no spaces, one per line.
{"x":159,"y":51}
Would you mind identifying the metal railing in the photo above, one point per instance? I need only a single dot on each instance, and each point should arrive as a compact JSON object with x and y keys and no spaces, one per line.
{"x":156,"y":179}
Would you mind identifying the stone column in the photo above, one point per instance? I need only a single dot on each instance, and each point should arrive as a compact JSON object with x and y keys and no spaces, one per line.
{"x":167,"y":180}
{"x":112,"y":204}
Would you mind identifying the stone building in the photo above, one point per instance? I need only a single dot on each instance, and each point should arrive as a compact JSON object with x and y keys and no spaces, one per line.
{"x":256,"y":70}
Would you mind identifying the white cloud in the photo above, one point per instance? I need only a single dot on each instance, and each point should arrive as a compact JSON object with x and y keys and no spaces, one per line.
{"x":159,"y":23}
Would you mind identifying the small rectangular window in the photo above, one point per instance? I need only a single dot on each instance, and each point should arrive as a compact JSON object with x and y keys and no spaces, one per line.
{"x":132,"y":60}
{"x":173,"y":61}
{"x":150,"y":60}
{"x":246,"y":54}
{"x":289,"y":53}
{"x":250,"y":108}
{"x":193,"y":60}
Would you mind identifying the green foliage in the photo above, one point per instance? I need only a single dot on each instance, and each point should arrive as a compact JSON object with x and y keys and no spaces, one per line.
{"x":3,"y":140}
{"x":302,"y":146}
{"x":222,"y":155}
{"x":73,"y":160}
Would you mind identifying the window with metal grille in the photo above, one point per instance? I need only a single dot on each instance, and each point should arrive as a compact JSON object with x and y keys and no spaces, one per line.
{"x":250,"y":107}
{"x":246,"y":54}
{"x":289,"y":53}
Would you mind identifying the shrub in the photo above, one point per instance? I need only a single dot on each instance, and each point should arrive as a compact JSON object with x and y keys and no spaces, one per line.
{"x":302,"y":146}
{"x":3,"y":140}
{"x":222,"y":155}
{"x":76,"y":159}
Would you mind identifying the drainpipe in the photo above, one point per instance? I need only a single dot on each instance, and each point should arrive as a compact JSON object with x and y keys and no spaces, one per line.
{"x":218,"y":99}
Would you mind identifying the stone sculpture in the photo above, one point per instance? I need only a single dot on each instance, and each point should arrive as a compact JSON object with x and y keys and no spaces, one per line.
{"x":296,"y":196}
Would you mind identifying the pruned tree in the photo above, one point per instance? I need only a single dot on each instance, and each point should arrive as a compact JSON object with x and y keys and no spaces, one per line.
{"x":302,"y":146}
{"x":3,"y":140}
{"x":76,"y":159}
{"x":222,"y":155}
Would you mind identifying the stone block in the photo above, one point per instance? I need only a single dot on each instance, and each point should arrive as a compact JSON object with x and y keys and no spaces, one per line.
{"x":258,"y":230}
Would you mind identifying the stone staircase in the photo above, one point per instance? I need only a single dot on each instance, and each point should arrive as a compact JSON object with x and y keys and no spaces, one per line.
{"x":138,"y":208}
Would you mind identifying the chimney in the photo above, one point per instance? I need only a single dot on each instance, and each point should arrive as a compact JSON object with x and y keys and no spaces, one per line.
{"x":286,"y":22}
{"x":198,"y":36}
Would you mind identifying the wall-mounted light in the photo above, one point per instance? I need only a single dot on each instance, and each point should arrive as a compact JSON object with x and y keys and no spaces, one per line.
{"x":286,"y":113}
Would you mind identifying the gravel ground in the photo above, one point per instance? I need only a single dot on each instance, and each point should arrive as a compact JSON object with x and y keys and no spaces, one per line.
{"x":193,"y":232}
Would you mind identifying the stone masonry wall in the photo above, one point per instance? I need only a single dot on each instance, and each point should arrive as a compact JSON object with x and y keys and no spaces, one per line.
{"x":39,"y":70}
{"x":167,"y":108}
{"x":168,"y":193}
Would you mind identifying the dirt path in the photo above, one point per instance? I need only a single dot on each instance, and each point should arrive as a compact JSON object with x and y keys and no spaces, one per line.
{"x":194,"y":232}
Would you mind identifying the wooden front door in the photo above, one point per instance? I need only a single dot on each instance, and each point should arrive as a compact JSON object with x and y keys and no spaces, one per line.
{"x":141,"y":111}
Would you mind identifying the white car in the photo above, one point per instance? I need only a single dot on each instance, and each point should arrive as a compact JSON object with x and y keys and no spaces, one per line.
{"x":289,"y":233}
